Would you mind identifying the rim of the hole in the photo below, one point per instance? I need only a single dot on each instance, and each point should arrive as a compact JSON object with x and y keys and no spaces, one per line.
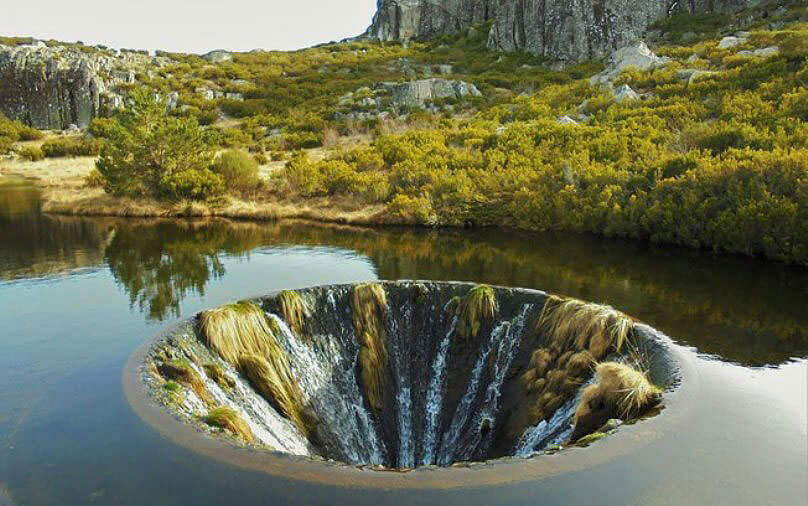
{"x":504,"y":470}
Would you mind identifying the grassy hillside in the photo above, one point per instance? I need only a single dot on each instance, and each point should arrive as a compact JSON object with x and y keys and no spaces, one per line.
{"x":717,"y":159}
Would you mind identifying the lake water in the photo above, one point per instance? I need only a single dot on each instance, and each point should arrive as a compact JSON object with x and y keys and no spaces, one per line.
{"x":79,"y":295}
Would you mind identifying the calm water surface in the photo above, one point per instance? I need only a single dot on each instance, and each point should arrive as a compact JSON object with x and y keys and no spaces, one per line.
{"x":77,"y":296}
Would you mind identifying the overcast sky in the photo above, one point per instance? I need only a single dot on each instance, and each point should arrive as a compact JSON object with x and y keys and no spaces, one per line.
{"x":188,"y":25}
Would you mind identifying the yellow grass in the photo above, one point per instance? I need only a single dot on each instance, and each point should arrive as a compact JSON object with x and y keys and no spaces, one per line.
{"x":294,"y":310}
{"x":620,"y":392}
{"x":238,"y":329}
{"x":217,"y":374}
{"x":571,"y":324}
{"x":478,"y":307}
{"x":227,"y":419}
{"x":183,"y":374}
{"x":369,"y":306}
{"x":272,"y":378}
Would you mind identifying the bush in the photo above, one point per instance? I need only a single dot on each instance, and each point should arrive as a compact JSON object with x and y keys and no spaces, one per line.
{"x":32,"y":153}
{"x":151,"y":153}
{"x":238,"y":169}
{"x":71,"y":146}
{"x":5,"y":144}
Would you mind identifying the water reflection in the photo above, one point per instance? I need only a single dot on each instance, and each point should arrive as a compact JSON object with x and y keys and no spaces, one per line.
{"x":742,"y":310}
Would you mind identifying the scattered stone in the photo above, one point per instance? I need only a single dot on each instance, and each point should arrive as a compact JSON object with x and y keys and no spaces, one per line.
{"x":691,"y":75}
{"x":731,"y":41}
{"x":624,"y":93}
{"x":218,"y":56}
{"x":693,"y":58}
{"x":172,"y":100}
{"x":636,"y":55}
{"x":566,"y":120}
{"x":417,"y":93}
{"x":761,"y":53}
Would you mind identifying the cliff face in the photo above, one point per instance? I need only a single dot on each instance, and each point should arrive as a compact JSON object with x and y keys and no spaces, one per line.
{"x":47,"y":92}
{"x":568,"y":30}
{"x":413,"y":19}
{"x":54,"y":87}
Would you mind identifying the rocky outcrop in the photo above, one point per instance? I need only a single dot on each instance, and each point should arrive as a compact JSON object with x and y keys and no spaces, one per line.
{"x":564,"y":30}
{"x":54,"y":87}
{"x":636,"y":55}
{"x":47,"y":92}
{"x":417,"y":19}
{"x":435,"y":95}
{"x":419,"y":93}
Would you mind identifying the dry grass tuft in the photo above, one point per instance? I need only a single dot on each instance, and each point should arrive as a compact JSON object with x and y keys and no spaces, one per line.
{"x":577,"y":335}
{"x":571,"y":324}
{"x":294,"y":310}
{"x":227,"y":419}
{"x":238,"y":329}
{"x":479,"y":306}
{"x":217,"y":374}
{"x":369,"y":305}
{"x":620,"y":392}
{"x":272,"y":378}
{"x":182,"y":372}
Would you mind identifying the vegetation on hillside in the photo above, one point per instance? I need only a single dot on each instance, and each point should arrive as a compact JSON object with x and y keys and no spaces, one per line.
{"x":713,"y":160}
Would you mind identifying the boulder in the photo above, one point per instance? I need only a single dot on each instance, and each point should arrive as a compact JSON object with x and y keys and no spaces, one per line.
{"x":624,"y":93}
{"x":636,"y":55}
{"x":761,"y":53}
{"x":218,"y":56}
{"x":418,"y":93}
{"x":566,"y":120}
{"x":48,"y":89}
{"x":691,"y":75}
{"x":731,"y":41}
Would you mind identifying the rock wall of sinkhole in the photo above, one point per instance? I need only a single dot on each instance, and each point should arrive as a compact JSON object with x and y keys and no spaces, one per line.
{"x":400,"y":374}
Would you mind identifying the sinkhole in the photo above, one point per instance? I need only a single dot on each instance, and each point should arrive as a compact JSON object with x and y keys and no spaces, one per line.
{"x":402,"y":375}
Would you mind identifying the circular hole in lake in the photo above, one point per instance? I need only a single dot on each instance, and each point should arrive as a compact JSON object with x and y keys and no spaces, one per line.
{"x":400,"y":375}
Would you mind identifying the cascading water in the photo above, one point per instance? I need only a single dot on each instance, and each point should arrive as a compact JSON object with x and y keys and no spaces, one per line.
{"x":444,"y":398}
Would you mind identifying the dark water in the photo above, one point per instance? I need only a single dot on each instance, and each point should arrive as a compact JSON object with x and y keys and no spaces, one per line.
{"x":77,"y":296}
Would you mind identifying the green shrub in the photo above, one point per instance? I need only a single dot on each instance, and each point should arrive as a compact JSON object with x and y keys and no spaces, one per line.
{"x":5,"y":144}
{"x":238,"y":169}
{"x":102,"y":127}
{"x":61,"y":147}
{"x":94,"y":179}
{"x":151,"y":153}
{"x":31,"y":153}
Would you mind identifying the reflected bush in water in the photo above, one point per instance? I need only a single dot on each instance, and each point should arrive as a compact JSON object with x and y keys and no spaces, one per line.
{"x":160,"y":264}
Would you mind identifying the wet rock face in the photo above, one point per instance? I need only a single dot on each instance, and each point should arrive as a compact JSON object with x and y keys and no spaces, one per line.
{"x":565,"y":30}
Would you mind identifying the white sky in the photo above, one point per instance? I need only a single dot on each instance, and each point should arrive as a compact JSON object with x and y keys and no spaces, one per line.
{"x":188,"y":25}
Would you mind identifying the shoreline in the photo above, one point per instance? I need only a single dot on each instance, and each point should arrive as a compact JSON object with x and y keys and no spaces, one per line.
{"x":64,"y":193}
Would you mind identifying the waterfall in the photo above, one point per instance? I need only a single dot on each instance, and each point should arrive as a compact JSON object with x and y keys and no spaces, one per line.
{"x":554,"y":431}
{"x":434,"y":395}
{"x":398,"y":337}
{"x":463,"y":412}
{"x":331,"y":391}
{"x":266,"y":424}
{"x":506,"y":350}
